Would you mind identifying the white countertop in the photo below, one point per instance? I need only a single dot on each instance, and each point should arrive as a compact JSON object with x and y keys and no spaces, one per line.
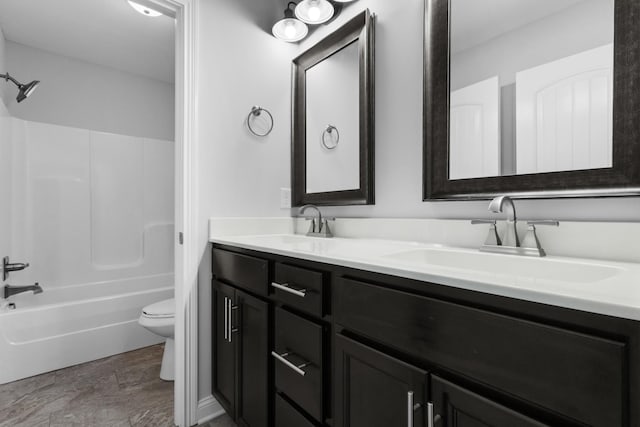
{"x":604,"y":287}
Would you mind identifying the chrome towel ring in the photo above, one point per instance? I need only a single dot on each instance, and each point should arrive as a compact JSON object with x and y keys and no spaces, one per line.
{"x":260,"y":121}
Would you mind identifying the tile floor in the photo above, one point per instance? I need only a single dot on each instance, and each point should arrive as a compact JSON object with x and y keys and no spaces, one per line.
{"x":119,"y":391}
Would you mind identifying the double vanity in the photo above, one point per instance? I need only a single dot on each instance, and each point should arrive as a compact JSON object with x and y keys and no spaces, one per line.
{"x":358,"y":332}
{"x":388,"y":329}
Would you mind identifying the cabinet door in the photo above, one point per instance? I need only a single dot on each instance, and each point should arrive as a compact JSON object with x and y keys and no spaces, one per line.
{"x":373,"y":389}
{"x":224,"y":348}
{"x":251,"y":320}
{"x":455,"y":406}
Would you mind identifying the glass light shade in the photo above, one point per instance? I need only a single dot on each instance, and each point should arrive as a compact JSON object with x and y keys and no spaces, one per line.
{"x":144,"y":9}
{"x":290,"y":30}
{"x":314,"y":11}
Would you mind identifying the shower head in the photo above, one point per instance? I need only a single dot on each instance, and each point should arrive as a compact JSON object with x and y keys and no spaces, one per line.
{"x":23,"y":90}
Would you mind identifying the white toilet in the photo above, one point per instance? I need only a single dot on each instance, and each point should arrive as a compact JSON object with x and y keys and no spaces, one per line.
{"x":159,"y":318}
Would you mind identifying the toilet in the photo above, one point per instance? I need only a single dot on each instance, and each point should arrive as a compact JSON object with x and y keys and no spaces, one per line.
{"x":159,"y":318}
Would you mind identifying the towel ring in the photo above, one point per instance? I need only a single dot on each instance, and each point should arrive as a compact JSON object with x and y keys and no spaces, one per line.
{"x":330,"y":137}
{"x":258,"y":123}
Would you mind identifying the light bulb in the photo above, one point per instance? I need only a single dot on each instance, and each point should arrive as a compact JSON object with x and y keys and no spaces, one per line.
{"x":290,"y":30}
{"x":314,"y":12}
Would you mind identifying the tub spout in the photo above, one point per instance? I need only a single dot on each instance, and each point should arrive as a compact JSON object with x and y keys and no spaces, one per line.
{"x":13,"y":290}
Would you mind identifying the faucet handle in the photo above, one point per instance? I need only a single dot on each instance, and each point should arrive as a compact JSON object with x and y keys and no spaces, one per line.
{"x":312,"y":226}
{"x":531,"y":238}
{"x":493,"y":239}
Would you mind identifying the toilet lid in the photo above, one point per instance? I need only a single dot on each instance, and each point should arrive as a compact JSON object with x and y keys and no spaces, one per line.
{"x":166,"y":308}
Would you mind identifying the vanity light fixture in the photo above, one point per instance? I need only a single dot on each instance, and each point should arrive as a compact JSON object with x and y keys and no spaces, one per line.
{"x":314,"y":11}
{"x":144,"y":9}
{"x":290,"y":29}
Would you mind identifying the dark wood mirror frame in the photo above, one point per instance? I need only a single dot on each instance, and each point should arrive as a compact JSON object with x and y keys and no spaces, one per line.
{"x":360,"y":30}
{"x":623,"y":179}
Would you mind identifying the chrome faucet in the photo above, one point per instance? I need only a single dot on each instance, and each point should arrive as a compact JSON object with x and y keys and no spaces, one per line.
{"x":510,"y":243}
{"x":504,"y":204}
{"x":319,"y":225}
{"x":13,"y":290}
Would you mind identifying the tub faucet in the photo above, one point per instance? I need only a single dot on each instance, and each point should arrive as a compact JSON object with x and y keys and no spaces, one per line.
{"x":319,"y":225}
{"x":13,"y":290}
{"x":504,"y":204}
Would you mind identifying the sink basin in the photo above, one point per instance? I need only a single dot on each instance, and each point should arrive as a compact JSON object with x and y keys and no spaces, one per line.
{"x":518,"y":266}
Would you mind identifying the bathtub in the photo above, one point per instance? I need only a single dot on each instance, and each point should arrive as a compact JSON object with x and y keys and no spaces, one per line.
{"x":68,"y":325}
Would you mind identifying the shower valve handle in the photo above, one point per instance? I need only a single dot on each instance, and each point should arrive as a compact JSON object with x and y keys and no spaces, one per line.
{"x":8,"y":267}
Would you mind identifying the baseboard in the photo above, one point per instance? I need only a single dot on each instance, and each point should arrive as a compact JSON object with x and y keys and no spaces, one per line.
{"x":208,"y":409}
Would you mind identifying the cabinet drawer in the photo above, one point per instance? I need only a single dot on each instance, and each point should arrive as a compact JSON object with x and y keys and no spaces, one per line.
{"x":298,"y":361}
{"x":243,"y":271}
{"x":287,"y":416}
{"x":299,"y":288}
{"x":578,"y":375}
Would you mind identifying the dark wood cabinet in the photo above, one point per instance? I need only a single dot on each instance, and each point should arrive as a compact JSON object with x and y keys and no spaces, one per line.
{"x":253,"y":357}
{"x":241,"y":362}
{"x":374,"y":389}
{"x":225,"y":360}
{"x":454,"y":406}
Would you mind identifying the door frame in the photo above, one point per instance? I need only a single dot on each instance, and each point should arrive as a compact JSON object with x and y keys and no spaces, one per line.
{"x":186,"y":254}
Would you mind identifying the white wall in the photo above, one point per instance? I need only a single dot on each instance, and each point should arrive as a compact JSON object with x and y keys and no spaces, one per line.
{"x":84,"y":95}
{"x":240,"y":65}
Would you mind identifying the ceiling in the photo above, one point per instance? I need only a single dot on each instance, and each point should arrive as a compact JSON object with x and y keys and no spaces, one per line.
{"x":474,"y":22}
{"x":103,"y":32}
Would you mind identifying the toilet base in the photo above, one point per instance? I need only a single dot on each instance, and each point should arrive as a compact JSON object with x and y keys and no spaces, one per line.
{"x":167,"y":371}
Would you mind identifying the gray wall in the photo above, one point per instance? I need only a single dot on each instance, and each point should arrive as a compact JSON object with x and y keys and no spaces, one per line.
{"x":84,"y":95}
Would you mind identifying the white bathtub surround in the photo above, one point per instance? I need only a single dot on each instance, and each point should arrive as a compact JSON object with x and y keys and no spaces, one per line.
{"x":69,"y":325}
{"x":93,"y":215}
{"x":445,"y":252}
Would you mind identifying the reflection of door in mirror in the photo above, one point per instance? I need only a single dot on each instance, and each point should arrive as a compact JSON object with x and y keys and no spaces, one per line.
{"x":546,"y":67}
{"x":332,"y":105}
{"x":474,"y":139}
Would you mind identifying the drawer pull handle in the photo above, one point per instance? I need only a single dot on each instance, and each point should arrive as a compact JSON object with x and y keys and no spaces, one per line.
{"x":297,"y":369}
{"x":287,"y":288}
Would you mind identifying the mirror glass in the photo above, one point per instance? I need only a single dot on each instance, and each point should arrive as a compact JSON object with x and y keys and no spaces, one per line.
{"x":531,"y":89}
{"x":332,"y":125}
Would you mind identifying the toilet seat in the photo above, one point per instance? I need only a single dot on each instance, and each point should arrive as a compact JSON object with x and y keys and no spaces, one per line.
{"x":160,"y":310}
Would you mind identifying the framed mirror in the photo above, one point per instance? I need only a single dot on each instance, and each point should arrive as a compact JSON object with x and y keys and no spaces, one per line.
{"x":333,"y":109}
{"x":531,"y":98}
